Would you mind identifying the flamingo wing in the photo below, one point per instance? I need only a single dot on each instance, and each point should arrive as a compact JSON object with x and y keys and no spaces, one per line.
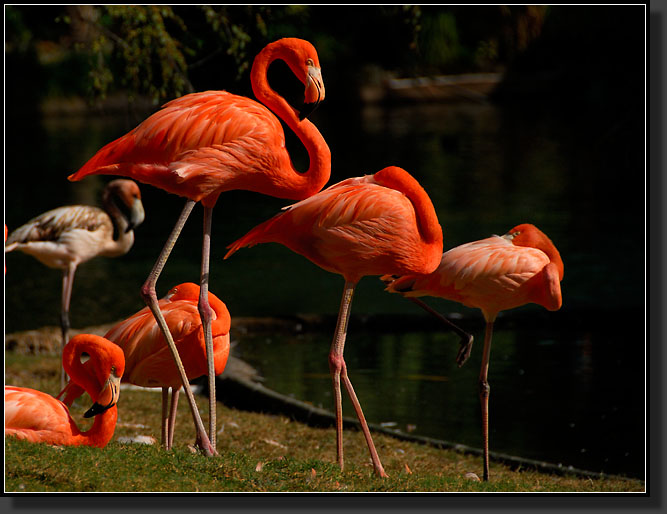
{"x":57,"y":237}
{"x":196,"y":145}
{"x":488,"y":274}
{"x":148,"y":360}
{"x":53,"y":224}
{"x":36,"y":416}
{"x":350,"y":228}
{"x":140,"y":336}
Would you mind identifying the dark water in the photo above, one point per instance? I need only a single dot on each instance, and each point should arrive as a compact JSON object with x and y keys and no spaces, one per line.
{"x":567,"y":386}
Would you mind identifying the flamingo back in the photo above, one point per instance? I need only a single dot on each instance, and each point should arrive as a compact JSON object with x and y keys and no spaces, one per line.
{"x":37,"y":417}
{"x":148,"y":360}
{"x":354,"y":228}
{"x":198,"y":145}
{"x":491,"y":274}
{"x":75,"y":233}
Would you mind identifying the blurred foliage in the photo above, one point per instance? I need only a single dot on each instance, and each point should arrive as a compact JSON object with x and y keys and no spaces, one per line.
{"x":162,"y":51}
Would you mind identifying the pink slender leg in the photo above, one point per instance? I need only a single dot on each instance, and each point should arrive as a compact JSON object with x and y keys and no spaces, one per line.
{"x":150,"y":297}
{"x":172,"y":414}
{"x":206,"y":315}
{"x":484,"y":390}
{"x":68,"y":281}
{"x":339,"y":370}
{"x":164,"y":433}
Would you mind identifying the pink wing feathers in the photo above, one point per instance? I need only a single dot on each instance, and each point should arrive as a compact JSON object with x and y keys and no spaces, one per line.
{"x":350,"y":228}
{"x":37,"y":416}
{"x":196,"y":145}
{"x":491,"y":274}
{"x":148,"y":361}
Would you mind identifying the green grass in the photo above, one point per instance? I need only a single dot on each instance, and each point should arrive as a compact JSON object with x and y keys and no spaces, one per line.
{"x":257,"y":452}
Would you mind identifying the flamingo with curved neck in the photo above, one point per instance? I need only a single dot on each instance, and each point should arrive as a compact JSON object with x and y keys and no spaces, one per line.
{"x":203,"y":144}
{"x":371,"y":225}
{"x":39,"y":417}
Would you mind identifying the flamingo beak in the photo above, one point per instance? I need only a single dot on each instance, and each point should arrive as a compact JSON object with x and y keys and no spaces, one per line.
{"x":314,"y":93}
{"x":107,"y":398}
{"x":507,"y":236}
{"x":137,"y":215}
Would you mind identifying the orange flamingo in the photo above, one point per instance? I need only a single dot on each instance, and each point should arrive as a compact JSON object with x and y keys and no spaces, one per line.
{"x":39,"y":417}
{"x":370,"y":225}
{"x":493,"y":274}
{"x":148,"y":361}
{"x":66,"y":237}
{"x":203,"y":144}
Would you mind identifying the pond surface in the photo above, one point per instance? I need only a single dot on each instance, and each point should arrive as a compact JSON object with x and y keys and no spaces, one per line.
{"x":566,"y":387}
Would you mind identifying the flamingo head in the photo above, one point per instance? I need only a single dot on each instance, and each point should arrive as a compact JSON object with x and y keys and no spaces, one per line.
{"x":531,"y":236}
{"x":301,"y":57}
{"x":129,"y":194}
{"x":108,"y":396}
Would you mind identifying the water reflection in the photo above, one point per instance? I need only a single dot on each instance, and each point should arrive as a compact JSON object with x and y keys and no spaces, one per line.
{"x":547,"y":401}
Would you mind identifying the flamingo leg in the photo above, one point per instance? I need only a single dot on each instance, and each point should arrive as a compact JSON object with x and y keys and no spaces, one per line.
{"x":164,"y":434}
{"x":339,"y":370}
{"x":206,"y":314}
{"x":466,"y":339}
{"x":484,"y":390}
{"x":68,"y":281}
{"x":150,"y":297}
{"x":172,"y":414}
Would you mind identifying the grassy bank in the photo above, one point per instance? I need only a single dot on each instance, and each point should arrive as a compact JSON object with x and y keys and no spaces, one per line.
{"x":258,"y":452}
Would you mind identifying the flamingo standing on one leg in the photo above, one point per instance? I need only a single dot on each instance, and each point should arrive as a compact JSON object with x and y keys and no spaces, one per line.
{"x":361,"y":226}
{"x":39,"y":417}
{"x":493,"y":274}
{"x":203,"y":144}
{"x":66,"y":237}
{"x":148,"y":361}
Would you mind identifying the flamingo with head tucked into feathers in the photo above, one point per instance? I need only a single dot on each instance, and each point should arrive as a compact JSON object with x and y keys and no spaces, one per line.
{"x":148,"y":361}
{"x":66,"y":237}
{"x":202,"y":144}
{"x":38,"y":417}
{"x":492,"y":274}
{"x":371,"y":225}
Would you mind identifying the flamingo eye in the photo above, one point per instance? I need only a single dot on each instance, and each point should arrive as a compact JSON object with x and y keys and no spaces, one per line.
{"x":310,"y":62}
{"x":516,"y":233}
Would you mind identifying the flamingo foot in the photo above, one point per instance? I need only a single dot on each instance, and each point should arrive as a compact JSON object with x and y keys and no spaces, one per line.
{"x":203,"y":444}
{"x":464,"y":351}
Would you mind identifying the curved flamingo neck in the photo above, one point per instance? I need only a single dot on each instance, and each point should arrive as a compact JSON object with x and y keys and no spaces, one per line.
{"x":80,"y":374}
{"x":123,"y":240}
{"x":102,"y":430}
{"x":427,"y":220}
{"x":84,"y":375}
{"x":306,"y":184}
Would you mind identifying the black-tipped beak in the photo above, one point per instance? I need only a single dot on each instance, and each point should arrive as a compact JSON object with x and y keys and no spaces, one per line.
{"x":108,"y":396}
{"x":314,"y":93}
{"x":97,"y":409}
{"x":137,"y":215}
{"x":307,"y":110}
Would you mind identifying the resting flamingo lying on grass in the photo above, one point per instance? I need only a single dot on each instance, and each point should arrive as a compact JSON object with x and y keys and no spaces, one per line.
{"x":39,"y":417}
{"x":148,"y":361}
